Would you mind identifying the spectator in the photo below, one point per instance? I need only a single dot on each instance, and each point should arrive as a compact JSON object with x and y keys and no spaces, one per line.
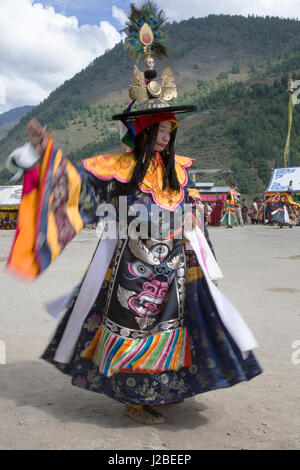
{"x":254,"y":212}
{"x":244,"y":210}
{"x":260,"y":213}
{"x":207,"y":212}
{"x":238,"y":210}
{"x":217,"y":212}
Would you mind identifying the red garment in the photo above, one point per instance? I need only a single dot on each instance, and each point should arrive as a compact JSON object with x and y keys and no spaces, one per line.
{"x":217,"y":213}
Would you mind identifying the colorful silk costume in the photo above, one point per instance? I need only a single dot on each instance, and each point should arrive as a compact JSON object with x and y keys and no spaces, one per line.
{"x":229,"y":218}
{"x":283,"y":208}
{"x":153,"y":333}
{"x":147,"y":325}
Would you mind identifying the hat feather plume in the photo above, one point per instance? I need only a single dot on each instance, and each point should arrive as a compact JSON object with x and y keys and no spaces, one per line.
{"x":156,"y":19}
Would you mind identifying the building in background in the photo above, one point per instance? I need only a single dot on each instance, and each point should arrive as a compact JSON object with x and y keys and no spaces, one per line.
{"x":284,"y":185}
{"x":209,"y":191}
{"x":10,"y":197}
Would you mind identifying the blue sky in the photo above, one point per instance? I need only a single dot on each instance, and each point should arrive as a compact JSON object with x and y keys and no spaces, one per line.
{"x":88,"y":11}
{"x":94,"y":11}
{"x":45,"y":42}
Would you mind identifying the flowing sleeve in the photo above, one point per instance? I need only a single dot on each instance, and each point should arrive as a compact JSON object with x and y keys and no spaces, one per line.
{"x":58,"y":200}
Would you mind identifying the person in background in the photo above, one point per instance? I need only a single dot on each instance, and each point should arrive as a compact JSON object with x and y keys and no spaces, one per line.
{"x":207,"y":212}
{"x":260,"y":213}
{"x":210,"y":209}
{"x":229,"y":218}
{"x":238,"y":210}
{"x":254,"y":212}
{"x":244,"y":209}
{"x":6,"y":223}
{"x":217,"y":212}
{"x":280,"y":213}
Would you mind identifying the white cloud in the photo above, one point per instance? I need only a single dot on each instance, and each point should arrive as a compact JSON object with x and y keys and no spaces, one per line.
{"x":178,"y":10}
{"x":119,"y":15}
{"x":40,"y":49}
{"x":2,"y":94}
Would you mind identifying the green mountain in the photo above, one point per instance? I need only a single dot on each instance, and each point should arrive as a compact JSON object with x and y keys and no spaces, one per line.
{"x":10,"y":118}
{"x":235,"y":69}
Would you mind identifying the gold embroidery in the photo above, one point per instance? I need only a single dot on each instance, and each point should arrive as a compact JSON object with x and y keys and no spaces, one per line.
{"x":194,"y":193}
{"x":108,"y":275}
{"x":193,"y":274}
{"x":121,"y":166}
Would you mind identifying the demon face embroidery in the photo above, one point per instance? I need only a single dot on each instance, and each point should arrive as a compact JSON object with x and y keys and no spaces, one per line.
{"x":145,"y":285}
{"x":155,"y":271}
{"x":149,"y":302}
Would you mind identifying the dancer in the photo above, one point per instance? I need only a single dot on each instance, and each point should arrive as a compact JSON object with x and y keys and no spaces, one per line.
{"x":147,"y":325}
{"x":283,"y":209}
{"x":229,"y":219}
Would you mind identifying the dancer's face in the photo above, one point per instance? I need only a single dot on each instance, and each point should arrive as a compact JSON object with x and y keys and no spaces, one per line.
{"x":163,"y":136}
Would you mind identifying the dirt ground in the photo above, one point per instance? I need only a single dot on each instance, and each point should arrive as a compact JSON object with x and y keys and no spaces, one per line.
{"x":40,"y":409}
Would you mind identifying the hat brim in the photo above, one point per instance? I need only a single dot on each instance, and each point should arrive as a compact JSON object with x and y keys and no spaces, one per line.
{"x":170,"y":109}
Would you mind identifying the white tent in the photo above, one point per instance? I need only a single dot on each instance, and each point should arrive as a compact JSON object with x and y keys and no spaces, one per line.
{"x":280,"y":181}
{"x":10,"y":195}
{"x":10,"y":198}
{"x":281,"y":178}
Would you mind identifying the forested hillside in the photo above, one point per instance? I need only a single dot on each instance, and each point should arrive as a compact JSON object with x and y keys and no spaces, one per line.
{"x":235,"y":69}
{"x":13,"y":116}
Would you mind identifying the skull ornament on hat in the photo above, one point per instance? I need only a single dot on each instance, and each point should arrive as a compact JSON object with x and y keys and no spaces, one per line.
{"x":149,"y":63}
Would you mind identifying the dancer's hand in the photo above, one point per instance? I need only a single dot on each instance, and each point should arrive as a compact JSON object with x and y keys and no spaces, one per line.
{"x":38,"y":136}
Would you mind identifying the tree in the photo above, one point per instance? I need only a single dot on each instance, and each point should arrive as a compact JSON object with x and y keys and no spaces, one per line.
{"x":235,"y":69}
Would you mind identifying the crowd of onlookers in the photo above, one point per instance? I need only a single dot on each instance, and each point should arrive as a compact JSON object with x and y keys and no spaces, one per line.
{"x":6,"y":223}
{"x":255,"y":212}
{"x":229,"y":210}
{"x":246,"y":213}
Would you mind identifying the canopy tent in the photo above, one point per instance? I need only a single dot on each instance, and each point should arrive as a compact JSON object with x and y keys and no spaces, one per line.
{"x":281,"y":178}
{"x":209,"y":191}
{"x":280,"y":185}
{"x":10,"y":198}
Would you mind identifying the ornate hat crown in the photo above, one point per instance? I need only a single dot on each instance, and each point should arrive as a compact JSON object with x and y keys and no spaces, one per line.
{"x":145,"y":35}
